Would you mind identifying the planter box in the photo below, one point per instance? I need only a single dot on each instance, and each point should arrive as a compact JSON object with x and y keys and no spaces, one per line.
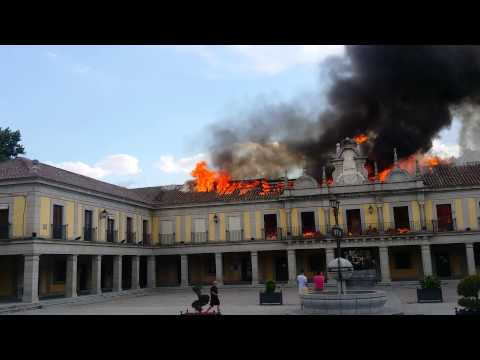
{"x":274,"y":298}
{"x":429,"y":295}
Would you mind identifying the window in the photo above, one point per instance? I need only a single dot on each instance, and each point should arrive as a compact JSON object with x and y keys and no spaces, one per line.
{"x":402,"y":261}
{"x":88,"y":225}
{"x":199,"y":226}
{"x":234,"y":232}
{"x":308,"y":223}
{"x":444,"y":216}
{"x":270,"y":222}
{"x":60,"y":270}
{"x":57,"y":223}
{"x":110,"y":230}
{"x":129,"y":230}
{"x":4,"y":233}
{"x":400,"y":215}
{"x":145,"y":230}
{"x":354,"y":222}
{"x":166,"y":227}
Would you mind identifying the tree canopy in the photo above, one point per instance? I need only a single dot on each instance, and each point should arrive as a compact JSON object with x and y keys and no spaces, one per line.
{"x":9,"y":144}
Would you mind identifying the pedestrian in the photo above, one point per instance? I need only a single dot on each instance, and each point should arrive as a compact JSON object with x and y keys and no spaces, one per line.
{"x":214,"y":300}
{"x":319,"y":281}
{"x":302,"y":284}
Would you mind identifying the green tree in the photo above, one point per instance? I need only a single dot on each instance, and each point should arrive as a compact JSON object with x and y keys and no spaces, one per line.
{"x":9,"y":144}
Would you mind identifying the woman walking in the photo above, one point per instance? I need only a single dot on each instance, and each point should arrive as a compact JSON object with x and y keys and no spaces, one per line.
{"x":214,"y":300}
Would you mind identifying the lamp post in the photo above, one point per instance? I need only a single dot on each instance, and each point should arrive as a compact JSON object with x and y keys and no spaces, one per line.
{"x":337,"y":233}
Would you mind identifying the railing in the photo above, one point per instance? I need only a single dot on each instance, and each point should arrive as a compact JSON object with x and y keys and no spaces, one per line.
{"x":5,"y":231}
{"x":59,"y":232}
{"x":130,"y":237}
{"x":112,"y":236}
{"x":167,"y":239}
{"x":199,"y":237}
{"x":89,"y":234}
{"x":305,"y":233}
{"x":272,"y":234}
{"x":234,"y":235}
{"x":444,"y":226}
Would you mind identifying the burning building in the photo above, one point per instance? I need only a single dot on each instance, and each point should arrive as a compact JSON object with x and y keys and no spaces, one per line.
{"x":67,"y":234}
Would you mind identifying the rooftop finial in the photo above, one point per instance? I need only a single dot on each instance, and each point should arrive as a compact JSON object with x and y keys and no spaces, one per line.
{"x":395,"y":157}
{"x":417,"y":168}
{"x":286,"y":180}
{"x":375,"y":169}
{"x":304,"y":165}
{"x":338,"y":149}
{"x":324,"y":177}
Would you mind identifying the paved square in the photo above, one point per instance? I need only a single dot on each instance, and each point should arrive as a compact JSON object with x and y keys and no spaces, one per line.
{"x":240,"y":301}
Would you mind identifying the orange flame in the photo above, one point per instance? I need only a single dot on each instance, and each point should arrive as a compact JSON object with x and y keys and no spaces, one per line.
{"x":408,"y":164}
{"x":207,"y":180}
{"x":360,"y":139}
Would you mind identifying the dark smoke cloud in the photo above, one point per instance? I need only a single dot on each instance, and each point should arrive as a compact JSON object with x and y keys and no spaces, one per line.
{"x":400,"y":95}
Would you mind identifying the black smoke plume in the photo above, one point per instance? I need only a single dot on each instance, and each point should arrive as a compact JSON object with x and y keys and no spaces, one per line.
{"x":401,"y":96}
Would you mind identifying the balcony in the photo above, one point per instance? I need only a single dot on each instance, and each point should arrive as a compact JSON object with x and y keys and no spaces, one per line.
{"x":130,"y":237}
{"x":111,"y":236}
{"x":89,"y":234}
{"x":234,"y":235}
{"x":5,"y":231}
{"x":199,"y":237}
{"x":58,"y":231}
{"x":167,"y":239}
{"x":273,"y":234}
{"x":300,"y":233}
{"x":146,"y":239}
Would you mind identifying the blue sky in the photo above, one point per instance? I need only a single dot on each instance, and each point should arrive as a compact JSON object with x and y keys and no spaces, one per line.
{"x":137,"y":115}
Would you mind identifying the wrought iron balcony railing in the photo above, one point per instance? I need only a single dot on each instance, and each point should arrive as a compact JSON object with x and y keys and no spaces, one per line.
{"x":167,"y":239}
{"x":59,"y":231}
{"x":234,"y":235}
{"x":146,"y":239}
{"x":89,"y":234}
{"x":273,"y":234}
{"x":111,"y":236}
{"x":130,"y":237}
{"x":199,"y":237}
{"x":5,"y":231}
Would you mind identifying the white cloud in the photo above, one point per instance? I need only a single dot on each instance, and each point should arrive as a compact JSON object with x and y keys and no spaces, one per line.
{"x":113,"y":165}
{"x":170,"y":165}
{"x":263,"y":59}
{"x":443,"y":150}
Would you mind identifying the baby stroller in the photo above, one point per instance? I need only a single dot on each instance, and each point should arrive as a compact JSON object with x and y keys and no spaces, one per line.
{"x":199,"y":304}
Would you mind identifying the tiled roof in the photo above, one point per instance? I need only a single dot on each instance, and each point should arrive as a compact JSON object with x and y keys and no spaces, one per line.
{"x":23,"y":168}
{"x":449,"y":176}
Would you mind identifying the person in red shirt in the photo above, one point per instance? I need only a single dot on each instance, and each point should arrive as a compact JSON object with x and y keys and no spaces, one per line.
{"x":319,"y":281}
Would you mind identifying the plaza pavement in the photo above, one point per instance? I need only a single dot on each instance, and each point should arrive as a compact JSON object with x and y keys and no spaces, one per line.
{"x":239,"y":301}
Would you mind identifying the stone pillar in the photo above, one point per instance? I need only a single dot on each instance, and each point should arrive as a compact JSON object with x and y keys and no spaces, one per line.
{"x":184,"y":270}
{"x":292,"y":267}
{"x":326,"y":214}
{"x":135,"y":272}
{"x":219,"y":268}
{"x":472,"y":270}
{"x":329,"y":256}
{"x":422,"y":214}
{"x":117,"y":273}
{"x":254,"y":259}
{"x":426,"y":260}
{"x":96,"y":274}
{"x":151,"y":272}
{"x":384,"y":265}
{"x":30,"y":278}
{"x":71,"y":278}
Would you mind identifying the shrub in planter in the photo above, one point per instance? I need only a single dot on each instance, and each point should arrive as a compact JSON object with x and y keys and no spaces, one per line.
{"x":269,"y":296}
{"x":431,"y":290}
{"x":469,"y":288}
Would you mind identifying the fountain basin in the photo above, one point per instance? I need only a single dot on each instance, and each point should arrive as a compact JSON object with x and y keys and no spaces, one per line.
{"x":354,"y":302}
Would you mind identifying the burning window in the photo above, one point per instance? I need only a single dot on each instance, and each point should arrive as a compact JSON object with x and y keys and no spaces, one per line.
{"x":444,"y":216}
{"x":270,"y":223}
{"x":308,"y":223}
{"x":354,"y":222}
{"x":401,"y":218}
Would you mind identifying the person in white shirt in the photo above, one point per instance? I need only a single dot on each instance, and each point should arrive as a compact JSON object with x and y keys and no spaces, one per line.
{"x":302,"y":284}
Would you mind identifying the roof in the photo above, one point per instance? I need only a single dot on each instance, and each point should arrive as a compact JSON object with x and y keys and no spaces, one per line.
{"x":23,"y":168}
{"x":449,"y":176}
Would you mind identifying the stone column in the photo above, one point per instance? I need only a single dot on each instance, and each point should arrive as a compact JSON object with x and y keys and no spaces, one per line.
{"x":384,"y":265}
{"x":426,"y":260}
{"x":151,"y":272}
{"x":472,"y":270}
{"x":254,"y":259}
{"x":422,"y":214}
{"x":135,"y":272}
{"x":184,"y":270}
{"x":326,"y":214}
{"x":30,"y":278}
{"x":71,"y":278}
{"x":292,"y":267}
{"x":329,"y":256}
{"x":117,"y":273}
{"x":219,"y":268}
{"x":96,"y":274}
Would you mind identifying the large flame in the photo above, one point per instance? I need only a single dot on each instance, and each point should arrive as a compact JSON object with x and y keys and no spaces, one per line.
{"x":207,"y":180}
{"x":408,"y":164}
{"x":360,"y":139}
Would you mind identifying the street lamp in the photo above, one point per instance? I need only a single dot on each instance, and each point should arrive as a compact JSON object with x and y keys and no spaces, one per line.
{"x":337,"y":233}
